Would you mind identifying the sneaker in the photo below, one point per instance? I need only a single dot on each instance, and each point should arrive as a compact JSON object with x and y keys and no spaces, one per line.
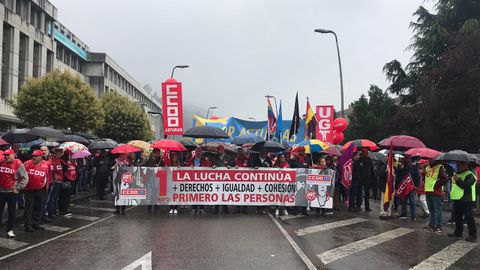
{"x":402,"y":217}
{"x":175,"y":212}
{"x":170,"y":212}
{"x":471,"y":238}
{"x":277,"y":212}
{"x":285,"y":212}
{"x":451,"y":221}
{"x":437,"y":230}
{"x":10,"y":234}
{"x":428,"y":228}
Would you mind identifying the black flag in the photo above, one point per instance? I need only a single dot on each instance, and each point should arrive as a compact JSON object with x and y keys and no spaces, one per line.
{"x":295,"y":120}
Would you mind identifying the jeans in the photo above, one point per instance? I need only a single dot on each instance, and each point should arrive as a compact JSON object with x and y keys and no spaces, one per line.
{"x":33,"y":206}
{"x":434,"y":204}
{"x":10,"y":199}
{"x":410,"y":199}
{"x":53,"y":200}
{"x":64,"y":197}
{"x":82,"y":180}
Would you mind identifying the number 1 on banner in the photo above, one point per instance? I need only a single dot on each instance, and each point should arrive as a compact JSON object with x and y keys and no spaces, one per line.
{"x":162,"y":178}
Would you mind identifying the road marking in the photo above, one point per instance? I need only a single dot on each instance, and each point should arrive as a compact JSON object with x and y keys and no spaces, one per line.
{"x":328,"y":226}
{"x":95,"y":208}
{"x":52,"y":228}
{"x":11,"y":244}
{"x":351,"y":248}
{"x":60,"y":236}
{"x":290,"y":217}
{"x":145,"y":262}
{"x":446,"y":257}
{"x":297,"y":249}
{"x":89,"y":218}
{"x":102,"y":201}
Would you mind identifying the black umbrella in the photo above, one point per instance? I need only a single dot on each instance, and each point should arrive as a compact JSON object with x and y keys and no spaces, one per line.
{"x":267,"y":146}
{"x":457,"y":155}
{"x":378,"y":157}
{"x":19,"y":135}
{"x":189,"y":145}
{"x":206,"y":132}
{"x":247,"y":138}
{"x":47,"y":132}
{"x":102,"y":144}
{"x":87,"y":136}
{"x":73,"y":138}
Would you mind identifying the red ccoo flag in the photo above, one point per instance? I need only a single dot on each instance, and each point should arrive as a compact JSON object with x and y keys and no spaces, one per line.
{"x":389,"y":186}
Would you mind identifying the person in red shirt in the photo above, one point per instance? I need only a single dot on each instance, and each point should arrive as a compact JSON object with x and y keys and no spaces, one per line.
{"x":38,"y":174}
{"x":13,"y":178}
{"x":57,"y":177}
{"x":69,"y":167}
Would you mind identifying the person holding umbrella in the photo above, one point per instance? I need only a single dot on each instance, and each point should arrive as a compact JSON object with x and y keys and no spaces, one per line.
{"x":463,"y":195}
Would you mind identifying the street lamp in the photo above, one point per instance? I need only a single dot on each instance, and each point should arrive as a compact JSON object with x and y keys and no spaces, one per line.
{"x":325,"y":31}
{"x":181,"y":66}
{"x":161,"y":115}
{"x":208,"y":111}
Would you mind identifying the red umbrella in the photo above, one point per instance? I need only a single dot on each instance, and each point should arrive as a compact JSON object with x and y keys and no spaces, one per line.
{"x":125,"y":149}
{"x":170,"y":145}
{"x":422,"y":152}
{"x":402,"y":142}
{"x":3,"y":142}
{"x":333,"y":150}
{"x":361,"y":143}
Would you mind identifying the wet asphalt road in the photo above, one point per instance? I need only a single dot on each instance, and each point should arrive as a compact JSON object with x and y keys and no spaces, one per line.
{"x":95,"y":239}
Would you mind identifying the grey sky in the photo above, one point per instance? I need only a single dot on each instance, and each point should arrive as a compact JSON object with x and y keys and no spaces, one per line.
{"x":240,"y":50}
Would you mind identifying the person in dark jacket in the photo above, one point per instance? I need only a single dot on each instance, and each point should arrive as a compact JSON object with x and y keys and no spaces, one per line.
{"x":355,"y":199}
{"x":101,"y":174}
{"x":258,"y":161}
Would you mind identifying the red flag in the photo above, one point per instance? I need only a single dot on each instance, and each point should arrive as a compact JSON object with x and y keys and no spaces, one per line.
{"x":389,"y":186}
{"x":405,"y":187}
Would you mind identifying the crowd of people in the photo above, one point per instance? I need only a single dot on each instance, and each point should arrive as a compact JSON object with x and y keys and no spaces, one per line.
{"x":44,"y":180}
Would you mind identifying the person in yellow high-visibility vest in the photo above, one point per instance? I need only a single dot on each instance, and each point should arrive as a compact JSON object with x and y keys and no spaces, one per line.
{"x":463,"y":195}
{"x":435,"y":179}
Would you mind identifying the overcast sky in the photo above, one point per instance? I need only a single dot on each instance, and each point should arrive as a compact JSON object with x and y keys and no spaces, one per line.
{"x":241,"y":50}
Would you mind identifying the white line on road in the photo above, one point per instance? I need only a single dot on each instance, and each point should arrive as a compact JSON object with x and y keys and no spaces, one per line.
{"x":145,"y":262}
{"x":290,"y":217}
{"x":11,"y":244}
{"x":52,"y":228}
{"x":297,"y":249}
{"x":95,"y":208}
{"x":328,"y":226}
{"x":351,"y":248}
{"x":89,"y":218}
{"x":60,"y":236}
{"x":446,"y":257}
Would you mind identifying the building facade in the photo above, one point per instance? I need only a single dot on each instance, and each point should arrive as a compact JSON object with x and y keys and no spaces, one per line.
{"x":34,"y":43}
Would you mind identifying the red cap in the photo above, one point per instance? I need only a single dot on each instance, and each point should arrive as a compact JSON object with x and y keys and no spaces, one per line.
{"x":220,"y":147}
{"x":37,"y":153}
{"x":9,"y":152}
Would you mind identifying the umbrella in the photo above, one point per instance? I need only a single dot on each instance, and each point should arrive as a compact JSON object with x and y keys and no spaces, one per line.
{"x":3,"y":142}
{"x":125,"y":149}
{"x":189,"y":144}
{"x":73,"y":138}
{"x":313,"y":146}
{"x":81,"y":154}
{"x":73,"y":147}
{"x":402,"y":142}
{"x":422,"y":152}
{"x":102,"y":144}
{"x":19,"y":135}
{"x":206,"y":132}
{"x":170,"y":145}
{"x":247,"y":138}
{"x":87,"y":136}
{"x":212,"y":147}
{"x":334,"y":151}
{"x":267,"y":146}
{"x":140,"y":144}
{"x":378,"y":157}
{"x":457,"y":155}
{"x":361,"y":143}
{"x":47,"y":132}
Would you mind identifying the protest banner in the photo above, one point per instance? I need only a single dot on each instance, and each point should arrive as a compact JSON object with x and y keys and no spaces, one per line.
{"x":222,"y":186}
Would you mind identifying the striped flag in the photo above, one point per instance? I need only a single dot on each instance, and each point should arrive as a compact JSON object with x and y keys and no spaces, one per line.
{"x":310,"y":122}
{"x":279,"y":132}
{"x":389,"y":185}
{"x":272,"y":120}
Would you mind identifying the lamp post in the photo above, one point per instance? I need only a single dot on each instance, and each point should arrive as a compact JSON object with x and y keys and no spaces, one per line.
{"x":208,"y":111}
{"x":324,"y":31}
{"x":181,"y":66}
{"x":161,"y":115}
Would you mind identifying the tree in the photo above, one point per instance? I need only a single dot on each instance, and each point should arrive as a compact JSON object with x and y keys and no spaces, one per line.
{"x":371,"y":117}
{"x":124,"y":120}
{"x":58,"y":100}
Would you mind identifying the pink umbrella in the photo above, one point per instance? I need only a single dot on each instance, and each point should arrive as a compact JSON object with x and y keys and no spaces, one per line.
{"x":81,"y":154}
{"x":422,"y":152}
{"x":402,"y":142}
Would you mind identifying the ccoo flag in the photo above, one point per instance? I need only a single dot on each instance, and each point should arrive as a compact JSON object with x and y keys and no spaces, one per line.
{"x":389,"y":185}
{"x":310,"y":122}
